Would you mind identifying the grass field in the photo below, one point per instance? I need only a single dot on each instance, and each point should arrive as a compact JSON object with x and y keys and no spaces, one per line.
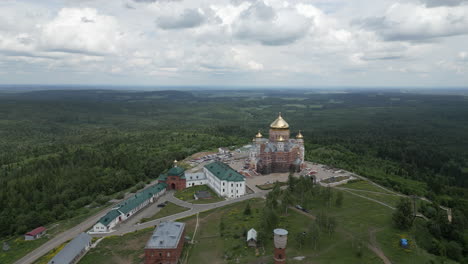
{"x":364,"y":185}
{"x":169,"y":209}
{"x":119,"y":249}
{"x":270,"y":186}
{"x":187,"y":195}
{"x":360,"y":222}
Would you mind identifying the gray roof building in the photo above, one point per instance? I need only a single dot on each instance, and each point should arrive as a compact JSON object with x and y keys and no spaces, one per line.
{"x":167,"y":235}
{"x":73,"y":250}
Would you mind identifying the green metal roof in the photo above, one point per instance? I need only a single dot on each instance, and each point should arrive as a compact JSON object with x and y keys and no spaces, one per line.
{"x":176,"y":171}
{"x":224,"y":172}
{"x":111,"y":215}
{"x":162,"y":177}
{"x":134,"y":201}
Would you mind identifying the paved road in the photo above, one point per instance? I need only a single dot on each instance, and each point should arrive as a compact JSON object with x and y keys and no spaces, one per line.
{"x":66,"y":235}
{"x":194,"y":209}
{"x":61,"y":238}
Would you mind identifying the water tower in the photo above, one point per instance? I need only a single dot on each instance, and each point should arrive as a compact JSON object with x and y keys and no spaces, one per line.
{"x":280,"y":239}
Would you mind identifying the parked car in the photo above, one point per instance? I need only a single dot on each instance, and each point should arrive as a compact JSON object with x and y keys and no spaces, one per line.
{"x":299,"y":207}
{"x":305,"y":210}
{"x":161,"y":205}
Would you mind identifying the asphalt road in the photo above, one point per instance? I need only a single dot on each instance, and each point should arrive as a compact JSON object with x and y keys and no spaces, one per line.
{"x":61,"y":238}
{"x":194,"y":209}
{"x":67,"y":235}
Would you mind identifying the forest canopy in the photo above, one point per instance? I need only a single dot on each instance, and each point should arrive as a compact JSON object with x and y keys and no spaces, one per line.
{"x":63,"y":150}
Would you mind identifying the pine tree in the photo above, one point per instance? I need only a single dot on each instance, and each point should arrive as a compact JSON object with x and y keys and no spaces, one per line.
{"x":403,"y":215}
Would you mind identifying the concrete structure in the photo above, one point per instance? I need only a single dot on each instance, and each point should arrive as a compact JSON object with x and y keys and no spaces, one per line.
{"x":129,"y":207}
{"x":166,"y":243}
{"x":280,"y":240}
{"x":35,"y":233}
{"x":224,"y":180}
{"x":278,"y":153}
{"x":73,"y":251}
{"x":252,"y":238}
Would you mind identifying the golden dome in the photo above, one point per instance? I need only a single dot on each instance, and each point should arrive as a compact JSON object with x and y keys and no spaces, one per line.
{"x":299,"y":135}
{"x":280,"y":139}
{"x":259,"y":135}
{"x":279,"y":123}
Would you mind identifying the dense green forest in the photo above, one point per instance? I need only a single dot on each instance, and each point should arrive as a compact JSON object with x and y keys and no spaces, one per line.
{"x":63,"y":150}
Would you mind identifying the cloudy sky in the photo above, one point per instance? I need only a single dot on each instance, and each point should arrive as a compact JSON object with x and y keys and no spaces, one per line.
{"x":311,"y":43}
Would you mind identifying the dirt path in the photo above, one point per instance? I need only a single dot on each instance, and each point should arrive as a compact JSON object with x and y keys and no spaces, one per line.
{"x":362,"y":196}
{"x":374,"y":246}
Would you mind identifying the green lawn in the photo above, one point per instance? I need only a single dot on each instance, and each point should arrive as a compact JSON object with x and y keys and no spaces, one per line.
{"x":359,"y":222}
{"x":119,"y":249}
{"x":364,"y":185}
{"x":270,"y":186}
{"x":187,"y":195}
{"x":169,"y":209}
{"x":389,"y":199}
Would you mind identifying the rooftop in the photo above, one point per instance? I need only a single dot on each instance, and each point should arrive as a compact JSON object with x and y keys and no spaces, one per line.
{"x":252,"y":234}
{"x":72,"y":249}
{"x":111,"y":215}
{"x":176,"y":171}
{"x":134,"y":201}
{"x":166,"y":235}
{"x":224,"y":172}
{"x":279,"y":123}
{"x":36,"y":231}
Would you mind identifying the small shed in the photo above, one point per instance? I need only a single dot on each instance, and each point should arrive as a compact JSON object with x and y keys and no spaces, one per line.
{"x":252,"y":238}
{"x":35,"y":233}
{"x":202,"y":195}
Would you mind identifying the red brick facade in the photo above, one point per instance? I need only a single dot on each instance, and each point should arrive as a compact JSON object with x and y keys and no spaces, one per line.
{"x":278,"y":153}
{"x":175,"y":183}
{"x":280,"y":255}
{"x":280,"y":161}
{"x":165,"y":256}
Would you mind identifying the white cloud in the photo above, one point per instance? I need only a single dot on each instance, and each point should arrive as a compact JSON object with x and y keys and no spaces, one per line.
{"x":416,"y":22}
{"x":269,"y":26}
{"x":259,"y":42}
{"x":82,"y":30}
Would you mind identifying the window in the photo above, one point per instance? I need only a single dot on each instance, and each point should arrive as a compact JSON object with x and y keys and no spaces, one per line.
{"x":232,"y":184}
{"x":168,"y":254}
{"x":160,"y":254}
{"x":223,"y":190}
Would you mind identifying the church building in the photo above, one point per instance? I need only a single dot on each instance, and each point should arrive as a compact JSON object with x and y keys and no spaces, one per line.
{"x":278,"y":152}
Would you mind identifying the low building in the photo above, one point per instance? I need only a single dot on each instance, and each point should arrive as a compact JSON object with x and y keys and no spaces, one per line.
{"x":73,"y":251}
{"x":252,"y":238}
{"x":129,"y":207}
{"x":166,"y":243}
{"x":35,"y":233}
{"x":202,"y":195}
{"x":194,"y":179}
{"x":224,"y":180}
{"x":107,"y":222}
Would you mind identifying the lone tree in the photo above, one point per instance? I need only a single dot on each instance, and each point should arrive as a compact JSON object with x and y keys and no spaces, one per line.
{"x":247,"y":210}
{"x":287,"y":200}
{"x":314,"y":234}
{"x":403,"y":215}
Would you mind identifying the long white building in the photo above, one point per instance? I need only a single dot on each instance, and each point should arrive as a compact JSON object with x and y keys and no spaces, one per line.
{"x":128,"y":208}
